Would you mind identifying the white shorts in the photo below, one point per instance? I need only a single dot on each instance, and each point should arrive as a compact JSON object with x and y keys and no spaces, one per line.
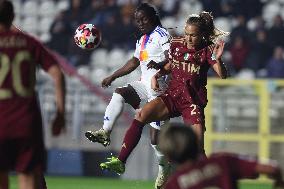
{"x":146,"y":95}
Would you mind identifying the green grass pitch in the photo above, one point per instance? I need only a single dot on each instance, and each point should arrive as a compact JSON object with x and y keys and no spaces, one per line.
{"x":103,"y":183}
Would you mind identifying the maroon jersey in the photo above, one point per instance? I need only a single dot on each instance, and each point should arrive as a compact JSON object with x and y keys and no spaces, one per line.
{"x":219,"y":171}
{"x":189,"y":71}
{"x":19,"y":110}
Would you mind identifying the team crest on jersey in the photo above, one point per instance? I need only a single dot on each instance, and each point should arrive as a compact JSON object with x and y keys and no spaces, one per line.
{"x":186,"y":56}
{"x":213,"y":56}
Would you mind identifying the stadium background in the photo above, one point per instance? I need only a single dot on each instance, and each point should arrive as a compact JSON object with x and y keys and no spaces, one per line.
{"x":244,"y":115}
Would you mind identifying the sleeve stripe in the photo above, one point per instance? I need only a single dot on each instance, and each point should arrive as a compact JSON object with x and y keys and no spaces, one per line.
{"x":160,"y":29}
{"x":160,"y":32}
{"x":177,"y":40}
{"x":163,"y":30}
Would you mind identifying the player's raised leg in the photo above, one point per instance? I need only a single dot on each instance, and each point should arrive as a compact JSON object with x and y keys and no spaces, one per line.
{"x":113,"y":111}
{"x":153,"y":110}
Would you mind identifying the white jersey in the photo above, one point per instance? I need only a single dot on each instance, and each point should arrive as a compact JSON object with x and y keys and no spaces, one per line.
{"x":152,"y":47}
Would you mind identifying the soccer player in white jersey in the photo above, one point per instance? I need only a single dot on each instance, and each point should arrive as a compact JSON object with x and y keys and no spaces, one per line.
{"x":152,"y":47}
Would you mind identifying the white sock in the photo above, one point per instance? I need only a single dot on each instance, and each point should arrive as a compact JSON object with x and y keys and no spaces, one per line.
{"x":160,"y":157}
{"x":113,"y":111}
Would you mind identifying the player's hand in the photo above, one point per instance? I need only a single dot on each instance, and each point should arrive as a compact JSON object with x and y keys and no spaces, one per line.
{"x":58,"y":125}
{"x":155,"y":84}
{"x":218,"y":49}
{"x":107,"y":81}
{"x":153,"y":65}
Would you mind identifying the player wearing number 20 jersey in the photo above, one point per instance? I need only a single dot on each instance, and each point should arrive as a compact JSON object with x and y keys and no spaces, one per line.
{"x":19,"y":56}
{"x":21,"y":141}
{"x":20,"y":118}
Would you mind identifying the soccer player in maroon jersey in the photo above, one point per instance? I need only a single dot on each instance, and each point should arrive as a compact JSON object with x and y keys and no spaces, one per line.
{"x":219,"y":171}
{"x":21,"y":138}
{"x":190,"y":58}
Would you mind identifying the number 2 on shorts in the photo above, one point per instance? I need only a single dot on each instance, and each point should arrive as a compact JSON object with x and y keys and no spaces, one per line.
{"x":193,"y":111}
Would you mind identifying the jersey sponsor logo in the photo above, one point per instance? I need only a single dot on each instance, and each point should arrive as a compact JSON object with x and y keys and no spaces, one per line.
{"x":186,"y":66}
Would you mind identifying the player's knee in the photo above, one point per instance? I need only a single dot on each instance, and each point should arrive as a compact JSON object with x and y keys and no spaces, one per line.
{"x":130,"y":96}
{"x":141,"y":116}
{"x":138,"y":116}
{"x":120,"y":91}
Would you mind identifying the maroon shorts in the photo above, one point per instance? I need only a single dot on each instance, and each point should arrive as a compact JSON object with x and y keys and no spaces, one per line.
{"x":22,"y":155}
{"x":191,"y":113}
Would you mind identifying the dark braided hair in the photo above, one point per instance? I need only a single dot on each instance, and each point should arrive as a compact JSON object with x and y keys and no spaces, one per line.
{"x":151,"y":12}
{"x":6,"y":12}
{"x":204,"y":21}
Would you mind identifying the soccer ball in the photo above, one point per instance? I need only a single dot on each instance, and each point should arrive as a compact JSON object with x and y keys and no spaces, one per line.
{"x":87,"y":36}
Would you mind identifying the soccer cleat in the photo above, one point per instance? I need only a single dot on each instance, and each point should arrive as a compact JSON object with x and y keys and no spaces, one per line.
{"x":113,"y":164}
{"x":100,"y":136}
{"x":162,"y":177}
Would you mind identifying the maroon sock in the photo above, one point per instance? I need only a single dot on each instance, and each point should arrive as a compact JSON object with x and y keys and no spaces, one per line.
{"x":130,"y":140}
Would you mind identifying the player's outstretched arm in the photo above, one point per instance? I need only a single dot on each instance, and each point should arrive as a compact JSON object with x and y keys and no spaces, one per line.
{"x":57,"y":76}
{"x":219,"y":67}
{"x":158,"y":65}
{"x":164,"y":71}
{"x":129,"y":67}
